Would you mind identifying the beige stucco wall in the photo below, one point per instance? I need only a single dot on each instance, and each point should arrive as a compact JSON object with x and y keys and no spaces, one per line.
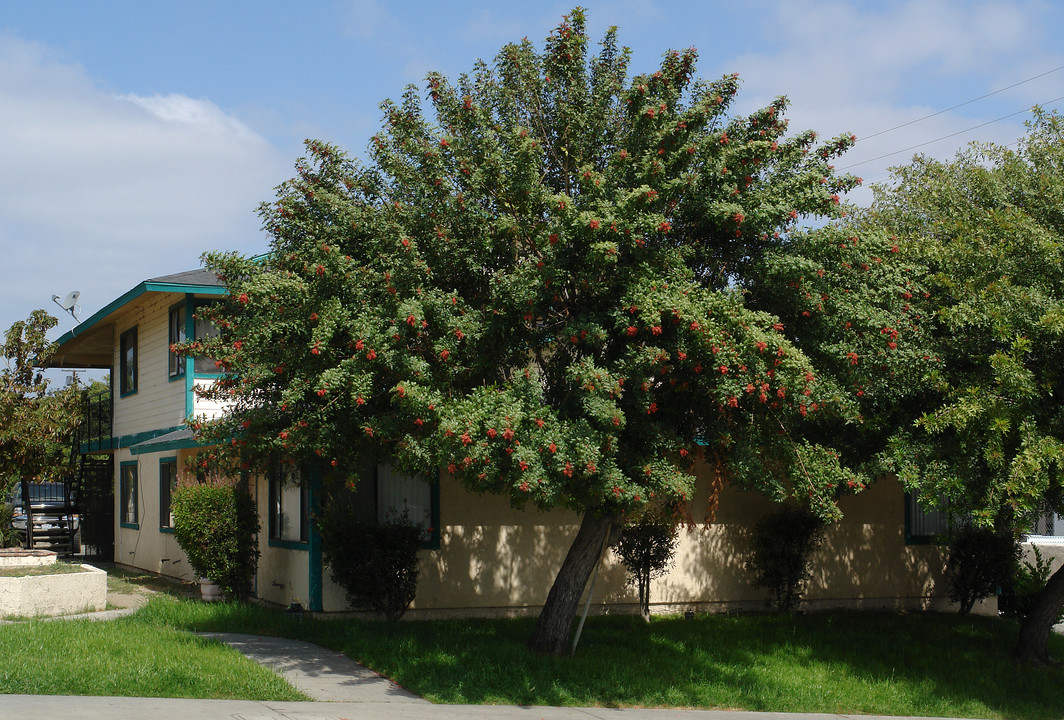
{"x":148,"y":546}
{"x":497,"y":559}
{"x":1050,"y":549}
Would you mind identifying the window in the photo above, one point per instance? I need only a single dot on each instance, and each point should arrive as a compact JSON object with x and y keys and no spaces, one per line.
{"x":411,"y":496}
{"x":177,"y":336}
{"x":167,"y":485}
{"x":127,"y":491}
{"x":127,"y":361}
{"x":289,"y":507}
{"x":1048,"y":525}
{"x":205,"y":329}
{"x":923,"y":525}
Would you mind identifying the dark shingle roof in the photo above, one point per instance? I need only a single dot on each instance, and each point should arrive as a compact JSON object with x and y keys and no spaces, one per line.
{"x":200,"y":276}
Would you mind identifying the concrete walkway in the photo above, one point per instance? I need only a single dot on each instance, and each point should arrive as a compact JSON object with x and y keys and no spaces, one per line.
{"x":341,"y":689}
{"x":318,"y":672}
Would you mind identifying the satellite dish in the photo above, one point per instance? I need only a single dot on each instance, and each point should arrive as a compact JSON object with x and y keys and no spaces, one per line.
{"x":68,"y":302}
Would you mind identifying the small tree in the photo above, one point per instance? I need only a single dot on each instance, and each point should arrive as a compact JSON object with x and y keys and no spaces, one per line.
{"x":783,"y":542}
{"x":216,"y":524}
{"x":35,"y":425}
{"x":646,"y":549}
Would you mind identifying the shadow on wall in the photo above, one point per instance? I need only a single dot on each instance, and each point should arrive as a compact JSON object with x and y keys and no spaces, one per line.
{"x":863,"y":562}
{"x":865,"y":558}
{"x":506,"y":566}
{"x":509,"y":564}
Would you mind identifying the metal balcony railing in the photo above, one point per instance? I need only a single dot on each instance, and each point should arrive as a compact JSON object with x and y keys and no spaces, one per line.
{"x":95,"y":432}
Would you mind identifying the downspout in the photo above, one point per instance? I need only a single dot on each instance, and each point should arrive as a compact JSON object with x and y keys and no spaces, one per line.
{"x":314,"y":582}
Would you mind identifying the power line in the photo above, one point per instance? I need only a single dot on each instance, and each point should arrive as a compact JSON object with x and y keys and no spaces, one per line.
{"x":966,"y":102}
{"x":946,"y":137}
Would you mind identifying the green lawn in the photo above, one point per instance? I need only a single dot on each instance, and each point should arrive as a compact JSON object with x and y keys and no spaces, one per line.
{"x":128,"y":657}
{"x":877,"y":663}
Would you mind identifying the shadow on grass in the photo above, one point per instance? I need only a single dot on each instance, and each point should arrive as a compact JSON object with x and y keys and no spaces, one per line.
{"x":878,"y":663}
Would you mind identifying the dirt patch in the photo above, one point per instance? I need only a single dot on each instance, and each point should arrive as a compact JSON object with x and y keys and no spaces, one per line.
{"x":127,"y":588}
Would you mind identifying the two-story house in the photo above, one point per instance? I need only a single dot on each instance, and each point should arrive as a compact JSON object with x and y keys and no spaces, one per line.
{"x":481,"y":554}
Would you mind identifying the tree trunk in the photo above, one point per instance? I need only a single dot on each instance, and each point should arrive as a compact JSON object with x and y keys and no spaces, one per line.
{"x":644,"y":594}
{"x":551,"y":635}
{"x":1033,"y":646}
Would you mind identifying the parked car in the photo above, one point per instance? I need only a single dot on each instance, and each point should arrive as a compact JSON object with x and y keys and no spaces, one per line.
{"x":56,"y":521}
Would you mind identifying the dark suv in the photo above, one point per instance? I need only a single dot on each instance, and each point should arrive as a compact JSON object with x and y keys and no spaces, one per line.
{"x":56,"y":521}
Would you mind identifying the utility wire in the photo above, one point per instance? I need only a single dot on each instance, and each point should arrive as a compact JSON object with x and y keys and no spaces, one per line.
{"x":966,"y":102}
{"x":946,"y":137}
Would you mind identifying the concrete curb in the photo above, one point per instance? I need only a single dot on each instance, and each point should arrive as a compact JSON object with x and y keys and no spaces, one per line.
{"x":108,"y":708}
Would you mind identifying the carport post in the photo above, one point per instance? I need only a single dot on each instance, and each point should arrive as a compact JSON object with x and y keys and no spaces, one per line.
{"x":27,"y":506}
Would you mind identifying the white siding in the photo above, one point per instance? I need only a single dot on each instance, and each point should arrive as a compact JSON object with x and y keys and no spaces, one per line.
{"x":202,"y":406}
{"x":158,"y":402}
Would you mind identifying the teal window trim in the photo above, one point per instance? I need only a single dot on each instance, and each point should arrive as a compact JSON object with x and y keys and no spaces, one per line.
{"x":166,"y":490}
{"x":190,"y":362}
{"x":314,"y":557}
{"x":127,"y":363}
{"x":129,"y":495}
{"x":277,"y":512}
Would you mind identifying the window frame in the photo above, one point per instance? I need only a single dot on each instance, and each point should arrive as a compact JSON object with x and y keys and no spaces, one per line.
{"x":129,"y":494}
{"x":193,"y":330}
{"x":127,"y":362}
{"x":917,"y":516}
{"x":177,"y":332}
{"x":277,"y":512}
{"x":167,"y":485}
{"x":431,"y":541}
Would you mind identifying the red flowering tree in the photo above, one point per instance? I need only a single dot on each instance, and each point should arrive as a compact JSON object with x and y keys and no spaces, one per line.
{"x":542,"y":283}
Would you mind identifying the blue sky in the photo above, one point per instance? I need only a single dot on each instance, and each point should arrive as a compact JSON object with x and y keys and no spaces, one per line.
{"x":136,"y":135}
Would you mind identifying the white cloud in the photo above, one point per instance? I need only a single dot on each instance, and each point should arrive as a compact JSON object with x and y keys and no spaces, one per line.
{"x":849,"y":68}
{"x":100,"y":191}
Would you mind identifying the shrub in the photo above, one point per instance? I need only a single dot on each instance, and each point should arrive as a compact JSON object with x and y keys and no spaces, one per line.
{"x":216,"y":526}
{"x":782,"y":543}
{"x":1028,"y":582}
{"x":376,"y":565}
{"x":9,"y":536}
{"x":646,"y":548}
{"x":981,"y":562}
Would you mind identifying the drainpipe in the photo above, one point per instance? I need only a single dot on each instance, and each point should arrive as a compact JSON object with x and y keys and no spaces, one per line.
{"x":314,"y":600}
